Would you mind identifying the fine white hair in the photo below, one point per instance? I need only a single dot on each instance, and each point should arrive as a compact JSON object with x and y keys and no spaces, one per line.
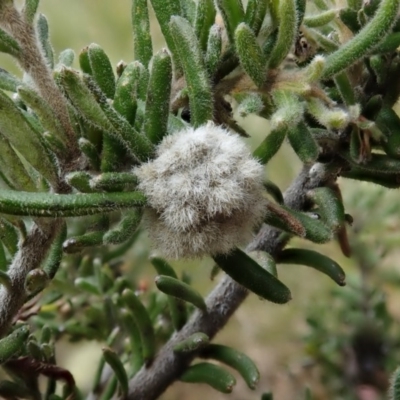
{"x":204,"y":191}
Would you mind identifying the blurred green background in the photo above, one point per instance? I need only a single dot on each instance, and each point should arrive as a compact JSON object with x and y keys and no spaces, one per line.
{"x":270,"y":334}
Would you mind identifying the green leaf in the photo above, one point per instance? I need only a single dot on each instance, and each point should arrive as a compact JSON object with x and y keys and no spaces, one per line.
{"x":394,"y":389}
{"x":244,"y":270}
{"x":9,"y":236}
{"x":158,"y":97}
{"x":8,"y":81}
{"x":42,"y":29}
{"x":30,"y":9}
{"x":314,"y":260}
{"x":101,"y":70}
{"x":287,"y":32}
{"x":255,"y":14}
{"x":15,"y":127}
{"x":192,"y":343}
{"x":214,"y":49}
{"x":369,"y":37}
{"x":143,"y":323}
{"x":165,"y":10}
{"x":210,"y":374}
{"x":303,"y":143}
{"x":250,"y":54}
{"x":330,"y":207}
{"x":236,"y":360}
{"x":66,"y":205}
{"x":191,"y":58}
{"x":55,"y":254}
{"x":270,"y":145}
{"x":142,"y":46}
{"x":125,"y":93}
{"x":315,"y":21}
{"x":205,"y":18}
{"x":8,"y":44}
{"x":232,"y":13}
{"x":13,"y":343}
{"x":136,"y":348}
{"x":17,"y":176}
{"x":125,"y":228}
{"x":176,"y":288}
{"x":90,"y":151}
{"x":116,"y":365}
{"x":42,"y":109}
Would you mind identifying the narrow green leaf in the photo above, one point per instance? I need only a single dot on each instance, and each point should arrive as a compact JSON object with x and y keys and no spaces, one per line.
{"x":389,"y":123}
{"x":192,"y":343}
{"x":15,"y":127}
{"x":142,"y":46}
{"x":43,"y":110}
{"x":125,"y":228}
{"x":394,"y":390}
{"x":66,"y":205}
{"x":158,"y":96}
{"x":42,"y":29}
{"x":114,"y":181}
{"x":13,"y":343}
{"x":83,"y":100}
{"x":135,"y":341}
{"x":78,"y":243}
{"x":270,"y":145}
{"x":176,"y":288}
{"x":66,"y":58}
{"x":315,"y":21}
{"x":143,"y":323}
{"x":165,"y":10}
{"x":8,"y":44}
{"x":205,"y":18}
{"x":232,"y":13}
{"x":272,"y":189}
{"x":90,"y":151}
{"x":118,"y":368}
{"x":9,"y":236}
{"x":369,"y":37}
{"x":214,"y":49}
{"x":236,"y":360}
{"x":3,"y":258}
{"x":389,"y":181}
{"x":303,"y":143}
{"x":345,"y":88}
{"x":79,"y":180}
{"x":125,"y":94}
{"x":17,"y":176}
{"x":102,"y":70}
{"x":138,"y":144}
{"x":287,"y":32}
{"x":255,"y":14}
{"x":244,"y":270}
{"x":250,"y":54}
{"x":315,"y":260}
{"x":190,"y":55}
{"x":8,"y":81}
{"x":54,"y":257}
{"x":29,"y":10}
{"x":210,"y":374}
{"x":84,"y":61}
{"x":330,"y":207}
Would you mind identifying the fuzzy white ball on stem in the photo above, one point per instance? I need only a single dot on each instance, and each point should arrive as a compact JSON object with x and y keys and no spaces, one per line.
{"x":204,"y":191}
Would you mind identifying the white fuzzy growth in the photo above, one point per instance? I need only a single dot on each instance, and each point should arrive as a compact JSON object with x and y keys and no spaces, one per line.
{"x":205,"y":193}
